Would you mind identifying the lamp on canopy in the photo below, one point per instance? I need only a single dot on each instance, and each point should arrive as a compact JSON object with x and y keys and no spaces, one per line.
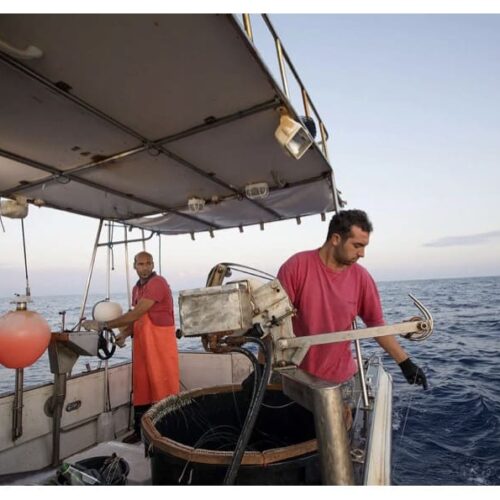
{"x":292,"y":135}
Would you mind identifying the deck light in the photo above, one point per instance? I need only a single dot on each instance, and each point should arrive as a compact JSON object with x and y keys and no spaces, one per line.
{"x":292,"y":135}
{"x":14,"y":209}
{"x":257,"y":191}
{"x":196,"y":205}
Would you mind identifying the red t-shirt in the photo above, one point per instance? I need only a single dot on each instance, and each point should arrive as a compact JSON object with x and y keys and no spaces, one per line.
{"x":329,"y":301}
{"x":156,"y":288}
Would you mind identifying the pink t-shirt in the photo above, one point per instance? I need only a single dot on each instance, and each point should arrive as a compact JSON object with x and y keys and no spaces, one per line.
{"x":157,"y":289}
{"x":329,"y":301}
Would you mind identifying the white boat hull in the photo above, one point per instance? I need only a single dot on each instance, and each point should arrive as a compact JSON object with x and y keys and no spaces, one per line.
{"x":79,"y":427}
{"x":84,"y":404}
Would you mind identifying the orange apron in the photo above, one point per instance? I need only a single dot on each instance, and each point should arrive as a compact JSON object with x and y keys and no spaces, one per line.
{"x":156,"y":362}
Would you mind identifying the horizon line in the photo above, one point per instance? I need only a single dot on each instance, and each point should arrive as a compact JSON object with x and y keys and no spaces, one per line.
{"x":177,"y":291}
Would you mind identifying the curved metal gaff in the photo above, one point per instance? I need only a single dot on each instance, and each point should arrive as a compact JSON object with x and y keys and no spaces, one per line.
{"x":426,"y":327}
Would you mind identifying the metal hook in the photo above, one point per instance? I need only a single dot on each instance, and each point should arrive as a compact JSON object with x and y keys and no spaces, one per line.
{"x":426,"y":326}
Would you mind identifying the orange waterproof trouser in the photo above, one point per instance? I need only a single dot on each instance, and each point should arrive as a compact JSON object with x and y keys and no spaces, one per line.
{"x":155,"y":362}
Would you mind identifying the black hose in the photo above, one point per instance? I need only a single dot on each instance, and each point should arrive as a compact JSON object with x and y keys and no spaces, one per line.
{"x":253,"y":412}
{"x":255,"y":364}
{"x":256,"y":371}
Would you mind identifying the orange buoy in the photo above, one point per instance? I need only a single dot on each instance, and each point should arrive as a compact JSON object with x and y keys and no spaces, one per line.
{"x":24,"y":336}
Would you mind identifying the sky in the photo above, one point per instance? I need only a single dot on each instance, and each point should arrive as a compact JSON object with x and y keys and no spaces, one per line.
{"x":411,"y":102}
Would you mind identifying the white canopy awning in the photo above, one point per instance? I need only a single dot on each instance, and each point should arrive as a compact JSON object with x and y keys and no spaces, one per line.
{"x":126,"y":117}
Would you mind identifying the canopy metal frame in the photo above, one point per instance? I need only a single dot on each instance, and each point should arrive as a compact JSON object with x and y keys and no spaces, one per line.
{"x":158,"y":147}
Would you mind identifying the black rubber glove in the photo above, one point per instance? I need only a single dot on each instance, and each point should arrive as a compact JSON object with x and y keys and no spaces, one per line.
{"x":413,"y":373}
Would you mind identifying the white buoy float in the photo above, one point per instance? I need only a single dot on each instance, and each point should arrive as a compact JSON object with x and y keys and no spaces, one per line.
{"x":106,"y":310}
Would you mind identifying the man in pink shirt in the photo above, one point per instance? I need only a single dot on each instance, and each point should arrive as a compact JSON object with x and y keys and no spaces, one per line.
{"x":330,"y":289}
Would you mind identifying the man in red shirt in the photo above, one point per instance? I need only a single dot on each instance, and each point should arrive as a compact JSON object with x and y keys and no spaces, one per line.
{"x":330,"y":289}
{"x":154,"y":350}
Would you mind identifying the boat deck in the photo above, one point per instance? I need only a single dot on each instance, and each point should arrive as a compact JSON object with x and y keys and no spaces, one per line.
{"x":133,"y":454}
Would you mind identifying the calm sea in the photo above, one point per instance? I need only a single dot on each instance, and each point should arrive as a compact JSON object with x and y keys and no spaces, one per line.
{"x":447,"y":435}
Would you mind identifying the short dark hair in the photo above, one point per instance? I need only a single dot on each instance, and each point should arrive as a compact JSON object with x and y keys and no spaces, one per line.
{"x":342,"y":222}
{"x":143,"y":252}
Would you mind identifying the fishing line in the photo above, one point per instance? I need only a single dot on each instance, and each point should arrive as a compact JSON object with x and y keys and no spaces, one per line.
{"x":107,"y":399}
{"x":204,"y":439}
{"x":410,"y":400}
{"x":278,"y":407}
{"x":28,"y":292}
{"x":159,"y":253}
{"x":129,"y":300}
{"x":127,"y":273}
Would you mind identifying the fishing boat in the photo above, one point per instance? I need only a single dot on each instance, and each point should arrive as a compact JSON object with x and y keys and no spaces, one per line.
{"x":172,"y":124}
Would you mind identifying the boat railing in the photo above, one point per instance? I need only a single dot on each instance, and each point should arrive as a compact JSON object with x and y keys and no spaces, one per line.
{"x":284,"y":63}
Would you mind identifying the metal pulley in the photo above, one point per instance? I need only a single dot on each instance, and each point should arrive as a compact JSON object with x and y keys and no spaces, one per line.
{"x":106,"y":344}
{"x":103,"y":311}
